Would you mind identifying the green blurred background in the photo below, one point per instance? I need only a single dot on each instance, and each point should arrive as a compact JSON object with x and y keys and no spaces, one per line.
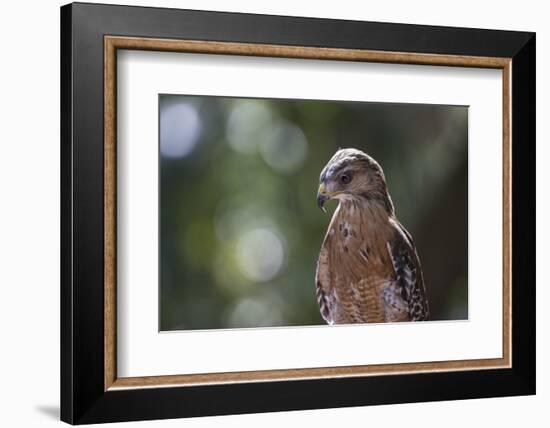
{"x":240,"y":231}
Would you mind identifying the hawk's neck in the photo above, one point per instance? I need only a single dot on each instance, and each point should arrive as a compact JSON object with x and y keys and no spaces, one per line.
{"x":367,"y":218}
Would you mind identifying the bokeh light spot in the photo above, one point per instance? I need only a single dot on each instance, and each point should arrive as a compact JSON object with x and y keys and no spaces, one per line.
{"x":284,"y":147}
{"x":247,"y":122}
{"x":260,"y":254}
{"x":250,"y":312}
{"x":180,"y":127}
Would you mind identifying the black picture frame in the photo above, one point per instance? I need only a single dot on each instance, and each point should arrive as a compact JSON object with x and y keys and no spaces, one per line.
{"x":83,"y":397}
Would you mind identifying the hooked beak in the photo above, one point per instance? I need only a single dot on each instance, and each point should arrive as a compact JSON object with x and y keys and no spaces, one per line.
{"x":322,"y":197}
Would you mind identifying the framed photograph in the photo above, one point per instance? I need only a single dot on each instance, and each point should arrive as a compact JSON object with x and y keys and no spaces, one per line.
{"x":265,"y":213}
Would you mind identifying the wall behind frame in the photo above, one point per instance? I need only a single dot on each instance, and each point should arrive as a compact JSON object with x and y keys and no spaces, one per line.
{"x":29,"y":219}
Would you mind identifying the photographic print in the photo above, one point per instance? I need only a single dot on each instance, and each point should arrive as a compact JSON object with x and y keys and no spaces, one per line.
{"x":278,"y":212}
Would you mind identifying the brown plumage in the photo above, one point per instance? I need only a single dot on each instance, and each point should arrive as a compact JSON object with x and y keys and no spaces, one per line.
{"x":368,"y":269}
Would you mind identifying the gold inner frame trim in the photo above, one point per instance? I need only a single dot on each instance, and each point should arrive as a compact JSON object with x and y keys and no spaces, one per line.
{"x":113,"y":43}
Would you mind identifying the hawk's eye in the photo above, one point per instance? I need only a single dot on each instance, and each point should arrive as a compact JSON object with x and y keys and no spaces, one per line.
{"x":345,"y":179}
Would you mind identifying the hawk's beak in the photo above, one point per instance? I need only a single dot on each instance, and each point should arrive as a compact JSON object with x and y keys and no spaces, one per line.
{"x":322,"y":197}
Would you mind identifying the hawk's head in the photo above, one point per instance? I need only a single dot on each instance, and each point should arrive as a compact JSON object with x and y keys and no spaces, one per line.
{"x":352,"y":174}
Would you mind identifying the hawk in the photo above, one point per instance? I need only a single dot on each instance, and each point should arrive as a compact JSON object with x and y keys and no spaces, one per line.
{"x":368,"y":269}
